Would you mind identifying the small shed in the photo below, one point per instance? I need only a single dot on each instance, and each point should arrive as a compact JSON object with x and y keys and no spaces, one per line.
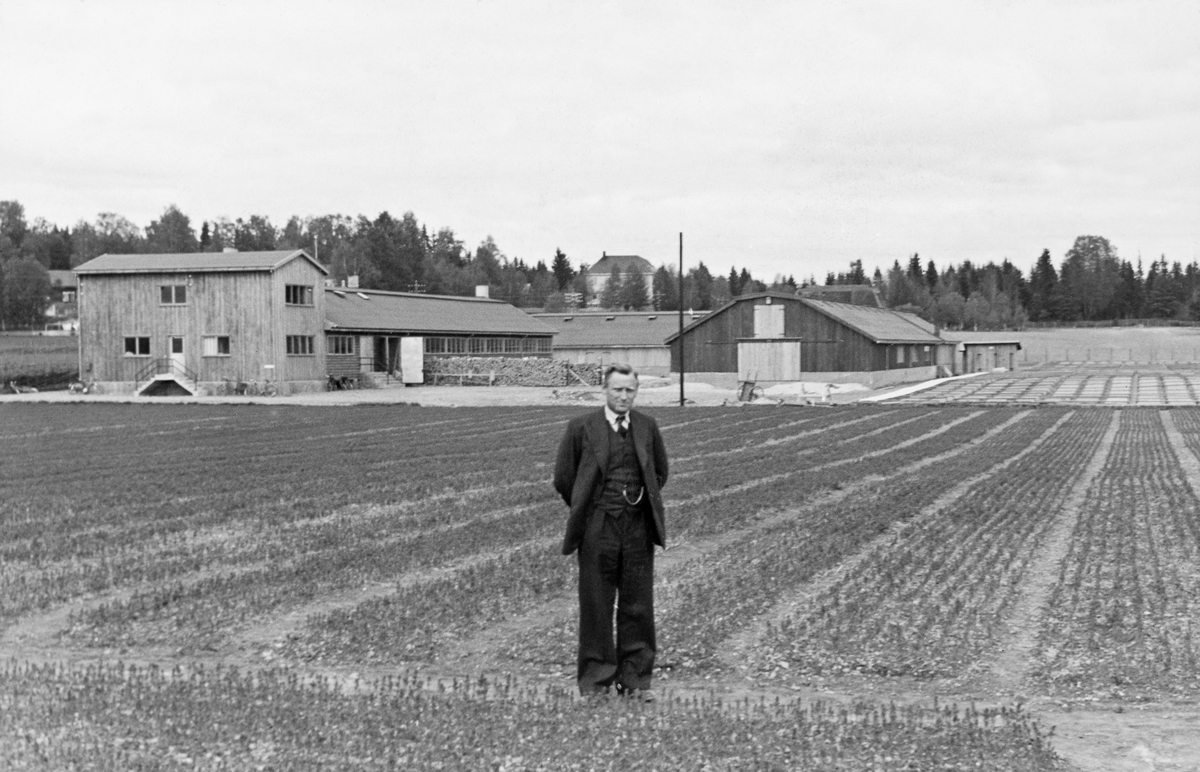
{"x":373,"y":331}
{"x":636,"y":338}
{"x":982,"y":352}
{"x":774,"y":336}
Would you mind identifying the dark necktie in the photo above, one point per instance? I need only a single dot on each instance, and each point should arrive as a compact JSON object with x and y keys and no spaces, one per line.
{"x":621,"y":426}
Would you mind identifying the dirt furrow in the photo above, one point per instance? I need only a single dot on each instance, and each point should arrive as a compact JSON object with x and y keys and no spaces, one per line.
{"x":1008,"y":672}
{"x":737,"y":652}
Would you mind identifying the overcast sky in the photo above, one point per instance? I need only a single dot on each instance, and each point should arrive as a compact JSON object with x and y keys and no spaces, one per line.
{"x":788,"y":137}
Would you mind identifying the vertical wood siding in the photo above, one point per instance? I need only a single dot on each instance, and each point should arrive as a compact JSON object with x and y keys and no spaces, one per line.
{"x":246,"y":306}
{"x":826,"y":344}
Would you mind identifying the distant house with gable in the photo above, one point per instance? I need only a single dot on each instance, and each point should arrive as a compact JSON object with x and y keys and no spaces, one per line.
{"x":599,"y":274}
{"x":62,"y":313}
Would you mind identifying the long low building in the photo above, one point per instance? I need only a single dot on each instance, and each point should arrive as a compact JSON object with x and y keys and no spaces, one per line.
{"x":635,"y":337}
{"x":205,"y":322}
{"x":393,"y":332}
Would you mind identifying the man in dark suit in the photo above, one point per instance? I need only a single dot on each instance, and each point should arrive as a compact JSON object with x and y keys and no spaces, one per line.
{"x":611,"y":467}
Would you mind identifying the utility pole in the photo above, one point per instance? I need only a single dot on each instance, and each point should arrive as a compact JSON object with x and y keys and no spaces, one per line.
{"x":681,"y":367}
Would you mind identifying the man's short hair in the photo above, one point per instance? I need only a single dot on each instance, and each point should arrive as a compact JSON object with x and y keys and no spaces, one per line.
{"x":621,"y":368}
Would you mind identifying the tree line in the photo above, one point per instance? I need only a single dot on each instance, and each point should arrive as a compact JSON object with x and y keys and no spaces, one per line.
{"x":1091,"y":284}
{"x":386,"y":252}
{"x":402,"y":254}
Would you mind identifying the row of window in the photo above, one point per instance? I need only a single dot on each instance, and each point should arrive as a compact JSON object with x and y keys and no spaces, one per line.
{"x":304,"y":345}
{"x":293,"y":294}
{"x":437,"y":345}
{"x":218,"y":345}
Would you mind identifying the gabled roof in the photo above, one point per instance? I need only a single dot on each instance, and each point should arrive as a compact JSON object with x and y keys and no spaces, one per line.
{"x":626,"y":263}
{"x":364,"y":310}
{"x":929,"y":327}
{"x":617,"y":330}
{"x":881,"y":325}
{"x":196,"y":262}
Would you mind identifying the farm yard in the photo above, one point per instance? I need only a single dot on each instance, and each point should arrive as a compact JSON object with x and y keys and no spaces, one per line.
{"x":892,"y":587}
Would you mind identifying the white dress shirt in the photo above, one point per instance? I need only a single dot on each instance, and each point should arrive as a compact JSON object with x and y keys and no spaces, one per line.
{"x":612,"y":415}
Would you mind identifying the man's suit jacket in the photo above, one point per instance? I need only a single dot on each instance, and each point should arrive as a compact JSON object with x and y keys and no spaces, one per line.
{"x":579,"y":473}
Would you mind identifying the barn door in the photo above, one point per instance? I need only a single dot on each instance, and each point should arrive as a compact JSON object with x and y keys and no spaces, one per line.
{"x":768,"y":321}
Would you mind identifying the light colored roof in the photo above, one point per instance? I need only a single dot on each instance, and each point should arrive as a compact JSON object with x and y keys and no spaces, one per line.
{"x":615,"y":330}
{"x":984,"y":338}
{"x":858,"y":294}
{"x":626,"y":263}
{"x":929,"y":327}
{"x":881,"y":325}
{"x":62,"y":278}
{"x":415,"y":313}
{"x":195,"y":262}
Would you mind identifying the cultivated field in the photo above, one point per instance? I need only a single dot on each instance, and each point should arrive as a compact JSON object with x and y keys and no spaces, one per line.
{"x":1075,"y":385}
{"x":35,"y":359}
{"x":850,"y":588}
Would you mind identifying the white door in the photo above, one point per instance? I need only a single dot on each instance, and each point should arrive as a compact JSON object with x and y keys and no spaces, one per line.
{"x":175,"y":347}
{"x":412,"y":360}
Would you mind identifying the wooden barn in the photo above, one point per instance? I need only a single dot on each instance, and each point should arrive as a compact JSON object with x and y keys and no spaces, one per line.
{"x":636,"y":338}
{"x":196,"y":322}
{"x":372,"y":331}
{"x":772,"y":336}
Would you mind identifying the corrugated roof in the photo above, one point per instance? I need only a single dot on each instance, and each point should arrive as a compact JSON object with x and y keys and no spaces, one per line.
{"x":595,"y":330}
{"x":407,"y":312}
{"x":607,"y":263}
{"x":195,"y":262}
{"x":881,"y":325}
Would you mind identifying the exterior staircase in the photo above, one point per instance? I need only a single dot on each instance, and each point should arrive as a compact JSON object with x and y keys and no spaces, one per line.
{"x":165,"y":378}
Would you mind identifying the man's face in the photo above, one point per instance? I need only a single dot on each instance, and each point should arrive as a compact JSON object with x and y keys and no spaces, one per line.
{"x":621,"y":391}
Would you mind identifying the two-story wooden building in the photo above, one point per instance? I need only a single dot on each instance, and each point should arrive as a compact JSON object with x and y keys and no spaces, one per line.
{"x":187,"y":323}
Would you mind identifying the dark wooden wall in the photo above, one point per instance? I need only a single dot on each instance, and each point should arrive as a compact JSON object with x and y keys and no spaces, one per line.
{"x":826,"y":344}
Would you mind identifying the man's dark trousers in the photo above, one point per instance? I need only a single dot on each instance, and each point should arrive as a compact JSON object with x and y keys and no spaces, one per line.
{"x":616,"y":557}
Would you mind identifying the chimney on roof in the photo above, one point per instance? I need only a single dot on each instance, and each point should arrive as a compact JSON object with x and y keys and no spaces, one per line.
{"x":482,"y":291}
{"x":352,"y":281}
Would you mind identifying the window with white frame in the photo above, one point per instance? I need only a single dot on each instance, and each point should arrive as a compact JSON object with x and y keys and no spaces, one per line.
{"x":173,"y":294}
{"x":340,"y":344}
{"x":215,"y":345}
{"x":298,"y":295}
{"x":300,"y":345}
{"x":137,"y":347}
